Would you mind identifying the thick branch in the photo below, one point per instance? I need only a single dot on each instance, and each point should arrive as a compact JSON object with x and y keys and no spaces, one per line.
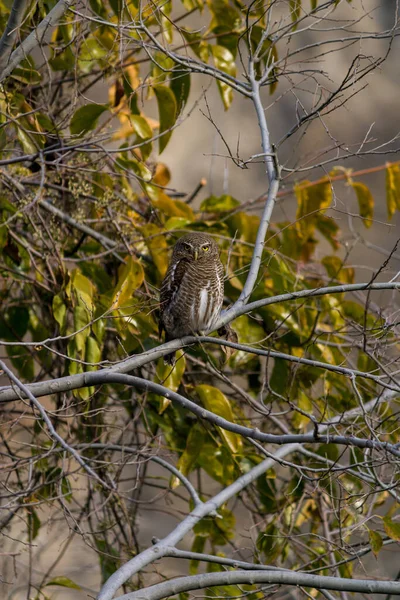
{"x":163,"y":546}
{"x":205,"y":580}
{"x":52,"y":432}
{"x":9,"y":36}
{"x":72,"y":382}
{"x":273,"y":179}
{"x":35,"y":38}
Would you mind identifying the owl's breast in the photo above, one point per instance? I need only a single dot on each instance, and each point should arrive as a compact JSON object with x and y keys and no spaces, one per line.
{"x":197,"y":302}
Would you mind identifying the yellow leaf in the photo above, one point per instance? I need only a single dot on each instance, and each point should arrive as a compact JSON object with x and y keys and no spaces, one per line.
{"x":170,"y":377}
{"x":162,"y":175}
{"x":171,"y":208}
{"x":130,"y":278}
{"x":392,"y":529}
{"x":365,"y":202}
{"x":392,"y":188}
{"x":154,"y":238}
{"x":312,"y":201}
{"x":225,"y":61}
{"x":375,"y":541}
{"x":215,"y":401}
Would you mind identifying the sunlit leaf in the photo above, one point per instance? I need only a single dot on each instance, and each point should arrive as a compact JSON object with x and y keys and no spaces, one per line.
{"x":154,"y":238}
{"x":130,"y":278}
{"x":219,"y":203}
{"x":215,"y":401}
{"x":170,"y":207}
{"x":337,"y":271}
{"x":59,"y":311}
{"x":312,"y":201}
{"x":170,"y":377}
{"x":392,"y":528}
{"x":91,"y":51}
{"x":225,"y":61}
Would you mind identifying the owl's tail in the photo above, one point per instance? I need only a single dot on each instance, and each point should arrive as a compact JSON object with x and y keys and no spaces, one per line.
{"x":169,"y":359}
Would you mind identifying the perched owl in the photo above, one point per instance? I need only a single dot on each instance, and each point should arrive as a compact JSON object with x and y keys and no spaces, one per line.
{"x":193,"y":289}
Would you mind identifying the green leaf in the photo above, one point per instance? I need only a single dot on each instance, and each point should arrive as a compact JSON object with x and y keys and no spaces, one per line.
{"x":81,"y":320}
{"x":85,"y":118}
{"x":170,"y":377}
{"x":167,"y":110}
{"x":108,"y":557}
{"x":312,"y":201}
{"x":91,"y":51}
{"x":59,"y":311}
{"x":375,"y":541}
{"x":225,"y":61}
{"x":64,"y":582}
{"x":92,"y":354}
{"x":141,"y":126}
{"x":130,"y":278}
{"x":198,"y":546}
{"x":219,"y":203}
{"x":83,"y":290}
{"x":336,"y":269}
{"x":270,"y":542}
{"x":33,"y":523}
{"x":14,"y":323}
{"x":365,"y":202}
{"x":176,"y":223}
{"x":279,"y":376}
{"x":249,"y":332}
{"x":215,"y":401}
{"x":295,"y":8}
{"x":392,"y":529}
{"x":188,"y":458}
{"x":329,"y":229}
{"x":180,"y":85}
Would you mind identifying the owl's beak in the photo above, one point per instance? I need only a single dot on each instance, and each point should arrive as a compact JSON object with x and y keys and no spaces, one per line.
{"x":196,"y":254}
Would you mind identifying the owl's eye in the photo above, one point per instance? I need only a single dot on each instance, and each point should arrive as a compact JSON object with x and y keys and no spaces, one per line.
{"x":187,"y":246}
{"x":206,"y":248}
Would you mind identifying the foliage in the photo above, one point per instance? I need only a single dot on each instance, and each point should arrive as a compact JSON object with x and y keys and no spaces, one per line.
{"x":87,"y":219}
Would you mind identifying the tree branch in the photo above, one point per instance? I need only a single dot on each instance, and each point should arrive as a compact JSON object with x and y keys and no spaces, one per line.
{"x":52,"y":432}
{"x":35,"y":38}
{"x":205,"y":580}
{"x":207,"y":508}
{"x":9,"y":36}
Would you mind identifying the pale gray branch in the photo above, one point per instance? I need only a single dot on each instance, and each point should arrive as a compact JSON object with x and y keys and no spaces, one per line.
{"x":52,"y":432}
{"x":35,"y":38}
{"x":204,"y":580}
{"x":10,"y":33}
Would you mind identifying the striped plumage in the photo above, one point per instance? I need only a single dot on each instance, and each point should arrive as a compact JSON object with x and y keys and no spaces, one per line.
{"x":193,"y":288}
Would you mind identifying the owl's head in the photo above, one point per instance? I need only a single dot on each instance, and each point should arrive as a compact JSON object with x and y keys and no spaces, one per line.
{"x":195,"y":246}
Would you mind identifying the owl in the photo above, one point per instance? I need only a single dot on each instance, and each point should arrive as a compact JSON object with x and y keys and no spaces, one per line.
{"x":193,"y":289}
